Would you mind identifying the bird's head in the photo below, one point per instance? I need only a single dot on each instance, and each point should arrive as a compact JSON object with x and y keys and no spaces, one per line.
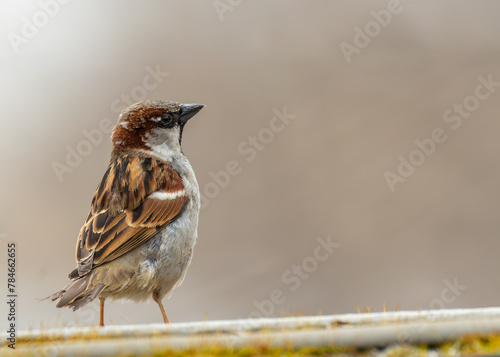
{"x":153,"y":126}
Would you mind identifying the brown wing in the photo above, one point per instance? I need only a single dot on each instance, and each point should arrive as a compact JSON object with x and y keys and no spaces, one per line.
{"x":136,"y":198}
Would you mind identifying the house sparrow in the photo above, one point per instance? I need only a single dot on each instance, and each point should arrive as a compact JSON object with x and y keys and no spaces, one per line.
{"x":138,"y":239}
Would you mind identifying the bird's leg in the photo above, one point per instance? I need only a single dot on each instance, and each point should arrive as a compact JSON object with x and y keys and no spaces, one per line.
{"x":163,"y":313}
{"x":101,"y":320}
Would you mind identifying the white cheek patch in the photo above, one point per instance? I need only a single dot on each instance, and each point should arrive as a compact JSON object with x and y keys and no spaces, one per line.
{"x":162,"y":195}
{"x":156,"y":120}
{"x":164,"y":144}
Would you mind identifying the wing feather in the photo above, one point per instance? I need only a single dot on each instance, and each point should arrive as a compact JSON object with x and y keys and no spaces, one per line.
{"x":136,"y":198}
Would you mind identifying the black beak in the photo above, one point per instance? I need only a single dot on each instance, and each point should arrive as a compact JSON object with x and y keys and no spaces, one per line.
{"x":188,"y":111}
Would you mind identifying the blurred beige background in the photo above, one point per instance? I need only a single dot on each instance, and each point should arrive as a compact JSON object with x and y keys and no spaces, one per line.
{"x":321,"y":175}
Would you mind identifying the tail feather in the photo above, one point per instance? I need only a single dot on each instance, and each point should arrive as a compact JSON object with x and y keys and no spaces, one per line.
{"x":77,"y":293}
{"x":84,"y":299}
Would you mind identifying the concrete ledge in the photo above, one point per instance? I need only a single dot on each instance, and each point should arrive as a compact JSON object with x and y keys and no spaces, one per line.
{"x":350,"y":331}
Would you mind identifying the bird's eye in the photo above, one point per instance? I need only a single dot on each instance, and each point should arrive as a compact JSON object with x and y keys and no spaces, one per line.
{"x":167,"y":120}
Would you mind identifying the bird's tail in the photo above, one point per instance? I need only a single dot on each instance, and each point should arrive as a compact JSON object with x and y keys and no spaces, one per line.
{"x":77,"y":293}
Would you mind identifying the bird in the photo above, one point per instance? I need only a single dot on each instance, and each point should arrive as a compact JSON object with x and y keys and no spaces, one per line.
{"x":137,"y":241}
